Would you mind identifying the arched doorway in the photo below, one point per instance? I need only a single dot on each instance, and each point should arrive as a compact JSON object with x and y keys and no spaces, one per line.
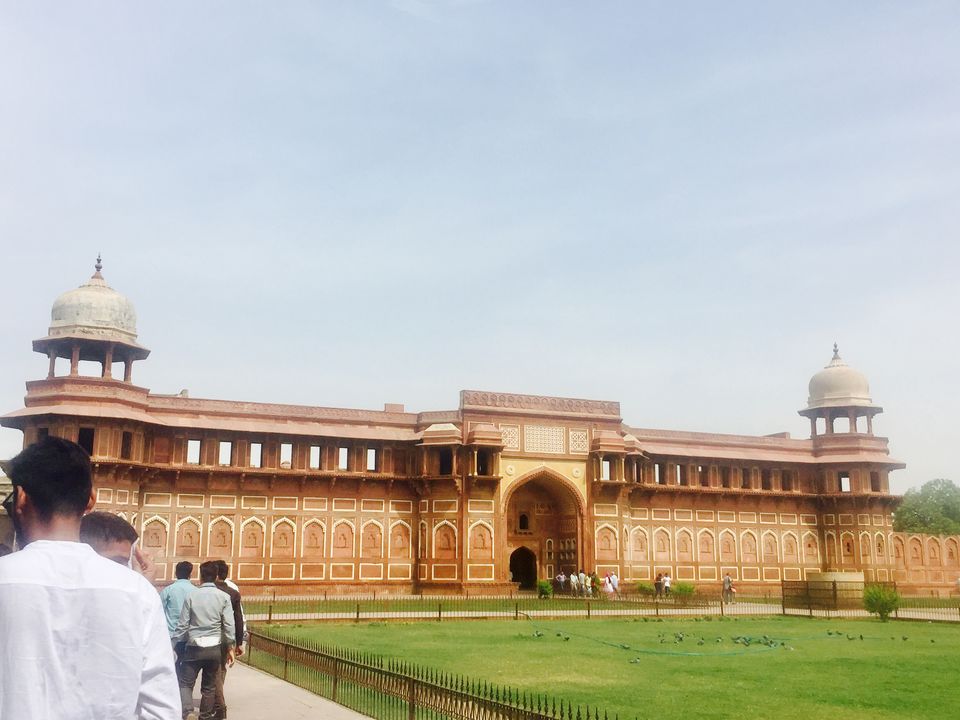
{"x":523,"y":568}
{"x":543,"y":514}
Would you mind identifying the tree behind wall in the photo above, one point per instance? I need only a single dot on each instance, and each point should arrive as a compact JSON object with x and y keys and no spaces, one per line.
{"x":933,"y":509}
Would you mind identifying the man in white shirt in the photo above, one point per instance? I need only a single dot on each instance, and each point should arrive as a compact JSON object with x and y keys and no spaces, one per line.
{"x":83,"y":638}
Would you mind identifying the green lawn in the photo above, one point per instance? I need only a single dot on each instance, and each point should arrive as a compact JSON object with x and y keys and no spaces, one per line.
{"x":807,"y":669}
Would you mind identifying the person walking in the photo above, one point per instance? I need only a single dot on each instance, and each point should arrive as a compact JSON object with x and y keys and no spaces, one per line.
{"x":175,"y":594}
{"x":658,"y":587}
{"x":667,"y":582}
{"x":239,"y":623}
{"x":82,"y":637}
{"x":116,"y":539}
{"x":206,"y":625}
{"x":727,"y":588}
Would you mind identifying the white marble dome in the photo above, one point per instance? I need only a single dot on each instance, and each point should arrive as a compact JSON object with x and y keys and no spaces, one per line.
{"x":839,"y":385}
{"x":94,"y":310}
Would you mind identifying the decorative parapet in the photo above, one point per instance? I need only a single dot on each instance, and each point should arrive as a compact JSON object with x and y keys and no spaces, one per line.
{"x":176,"y":403}
{"x":537,"y":404}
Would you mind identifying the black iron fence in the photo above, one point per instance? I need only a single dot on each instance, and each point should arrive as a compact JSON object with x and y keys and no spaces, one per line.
{"x":832,"y":599}
{"x":280,"y":608}
{"x":811,"y":598}
{"x":395,"y":690}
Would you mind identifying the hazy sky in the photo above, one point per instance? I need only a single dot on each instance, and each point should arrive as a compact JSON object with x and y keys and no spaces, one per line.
{"x":680,"y":206}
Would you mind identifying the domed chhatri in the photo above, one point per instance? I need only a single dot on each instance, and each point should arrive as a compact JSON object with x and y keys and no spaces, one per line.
{"x":92,"y":322}
{"x":94,"y":310}
{"x":839,"y":385}
{"x":839,"y":391}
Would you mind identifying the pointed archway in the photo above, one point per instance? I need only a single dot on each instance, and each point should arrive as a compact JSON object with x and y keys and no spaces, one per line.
{"x":523,"y":568}
{"x":543,"y":514}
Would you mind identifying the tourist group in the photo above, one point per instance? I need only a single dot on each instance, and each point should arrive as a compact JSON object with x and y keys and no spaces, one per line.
{"x":85,"y":633}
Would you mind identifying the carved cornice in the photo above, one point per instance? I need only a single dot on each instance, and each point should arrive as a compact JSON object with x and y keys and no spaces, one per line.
{"x":537,"y":404}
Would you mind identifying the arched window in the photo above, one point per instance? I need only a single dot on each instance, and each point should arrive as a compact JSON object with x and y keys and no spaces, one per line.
{"x":523,"y":522}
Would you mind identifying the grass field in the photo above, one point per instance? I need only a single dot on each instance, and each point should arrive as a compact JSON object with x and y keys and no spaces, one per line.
{"x":804,"y":669}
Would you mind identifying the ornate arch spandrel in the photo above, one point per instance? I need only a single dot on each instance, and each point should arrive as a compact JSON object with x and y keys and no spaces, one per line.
{"x":639,"y":545}
{"x":313,"y":539}
{"x":188,"y":537}
{"x":444,"y":541}
{"x":155,"y":536}
{"x":371,"y":540}
{"x":748,"y":548}
{"x":220,"y":537}
{"x":283,"y":539}
{"x":252,"y":532}
{"x":553,"y":478}
{"x":706,"y":547}
{"x":400,"y":545}
{"x":481,"y":541}
{"x":343,"y":539}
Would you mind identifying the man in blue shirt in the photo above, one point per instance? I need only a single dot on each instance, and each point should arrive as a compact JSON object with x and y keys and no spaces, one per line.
{"x":173,"y":595}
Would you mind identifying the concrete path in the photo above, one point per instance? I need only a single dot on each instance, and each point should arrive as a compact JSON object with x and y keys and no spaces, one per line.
{"x":255,"y":695}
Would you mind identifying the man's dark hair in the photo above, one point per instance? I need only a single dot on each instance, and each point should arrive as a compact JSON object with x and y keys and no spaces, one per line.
{"x":105,"y":527}
{"x":184,"y":570}
{"x":223,"y":570}
{"x":208,"y":571}
{"x":56,"y":474}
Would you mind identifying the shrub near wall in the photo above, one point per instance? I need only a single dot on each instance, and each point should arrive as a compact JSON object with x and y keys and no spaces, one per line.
{"x":646,"y":588}
{"x":880,"y":600}
{"x":682,"y":592}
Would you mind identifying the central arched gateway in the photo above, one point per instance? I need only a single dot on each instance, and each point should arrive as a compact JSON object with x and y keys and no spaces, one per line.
{"x":543,"y":517}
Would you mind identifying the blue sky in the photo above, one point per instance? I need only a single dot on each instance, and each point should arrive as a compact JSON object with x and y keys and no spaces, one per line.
{"x":678,"y":206}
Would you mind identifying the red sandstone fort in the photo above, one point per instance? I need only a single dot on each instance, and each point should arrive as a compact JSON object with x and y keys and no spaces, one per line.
{"x":495,"y":493}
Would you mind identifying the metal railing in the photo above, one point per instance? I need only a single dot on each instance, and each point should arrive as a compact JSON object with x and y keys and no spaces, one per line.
{"x":395,"y":690}
{"x":280,"y":608}
{"x":836,"y":599}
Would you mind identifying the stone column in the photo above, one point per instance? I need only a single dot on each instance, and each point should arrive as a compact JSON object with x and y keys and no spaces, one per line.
{"x":75,"y":360}
{"x":107,"y":371}
{"x":869,"y":424}
{"x":813,"y":426}
{"x":128,"y":370}
{"x":52,"y":354}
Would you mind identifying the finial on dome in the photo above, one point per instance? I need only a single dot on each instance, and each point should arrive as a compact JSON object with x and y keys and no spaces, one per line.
{"x":99,"y":265}
{"x":836,"y":352}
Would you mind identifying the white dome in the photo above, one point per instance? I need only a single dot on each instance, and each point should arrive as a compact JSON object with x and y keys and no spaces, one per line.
{"x":839,"y":385}
{"x":94,"y":310}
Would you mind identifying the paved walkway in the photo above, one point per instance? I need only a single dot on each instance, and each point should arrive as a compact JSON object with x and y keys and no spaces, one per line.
{"x":255,"y":695}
